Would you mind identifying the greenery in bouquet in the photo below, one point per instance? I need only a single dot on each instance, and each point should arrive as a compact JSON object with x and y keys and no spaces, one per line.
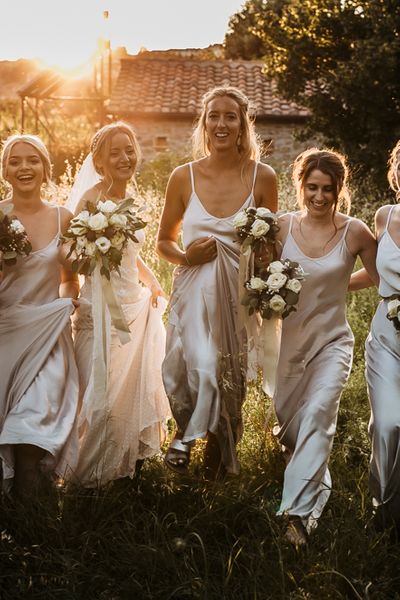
{"x":99,"y":235}
{"x":393,"y":313}
{"x":13,"y":238}
{"x":256,"y":228}
{"x":276,"y":291}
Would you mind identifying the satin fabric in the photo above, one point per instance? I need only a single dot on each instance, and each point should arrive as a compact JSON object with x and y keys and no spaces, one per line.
{"x":383,"y":380}
{"x":204,"y":370}
{"x":131,"y":424}
{"x":314,"y":364}
{"x":39,"y":379}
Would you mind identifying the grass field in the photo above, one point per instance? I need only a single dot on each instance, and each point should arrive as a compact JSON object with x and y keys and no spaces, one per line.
{"x":161,"y":536}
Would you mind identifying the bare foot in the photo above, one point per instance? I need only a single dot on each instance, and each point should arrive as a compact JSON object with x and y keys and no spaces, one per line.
{"x":296,"y":533}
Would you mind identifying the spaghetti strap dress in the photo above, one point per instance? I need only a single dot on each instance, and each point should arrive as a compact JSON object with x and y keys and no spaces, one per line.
{"x":204,"y":368}
{"x":383,"y":380}
{"x":314,"y":364}
{"x":39,"y":379}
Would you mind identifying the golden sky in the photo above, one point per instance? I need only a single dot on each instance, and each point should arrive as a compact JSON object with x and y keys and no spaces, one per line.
{"x":65,"y":33}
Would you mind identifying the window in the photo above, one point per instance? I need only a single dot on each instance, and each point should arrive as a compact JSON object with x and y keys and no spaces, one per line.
{"x":161,"y":143}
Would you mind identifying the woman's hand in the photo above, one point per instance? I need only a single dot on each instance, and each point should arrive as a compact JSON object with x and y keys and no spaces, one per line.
{"x":156,"y":291}
{"x":201,"y":251}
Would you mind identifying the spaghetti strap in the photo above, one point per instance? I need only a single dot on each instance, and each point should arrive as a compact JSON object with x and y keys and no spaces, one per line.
{"x":389,"y":217}
{"x":254,"y":177}
{"x":290,"y":224}
{"x":191,"y":176}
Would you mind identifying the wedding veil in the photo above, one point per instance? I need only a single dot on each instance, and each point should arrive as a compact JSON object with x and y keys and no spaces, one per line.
{"x":87,"y":177}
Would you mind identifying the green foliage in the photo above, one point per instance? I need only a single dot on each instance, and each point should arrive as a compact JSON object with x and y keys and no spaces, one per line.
{"x":340,"y":60}
{"x":154,"y":174}
{"x":241,"y":40}
{"x":66,"y":128}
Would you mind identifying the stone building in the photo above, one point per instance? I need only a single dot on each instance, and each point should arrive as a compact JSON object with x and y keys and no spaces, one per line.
{"x":160,"y":94}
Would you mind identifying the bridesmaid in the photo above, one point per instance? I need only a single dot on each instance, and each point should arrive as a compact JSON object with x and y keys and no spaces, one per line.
{"x":317,"y":342}
{"x":204,"y":367}
{"x":383,"y":363}
{"x":128,"y":424}
{"x":39,"y":382}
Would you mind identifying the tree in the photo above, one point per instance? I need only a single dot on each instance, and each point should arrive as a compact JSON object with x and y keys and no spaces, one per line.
{"x":340,"y":59}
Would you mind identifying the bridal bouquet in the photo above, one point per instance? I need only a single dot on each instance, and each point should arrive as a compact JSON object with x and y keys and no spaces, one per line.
{"x":255,"y":227}
{"x":99,"y":235}
{"x":393,"y":313}
{"x":276,"y":292}
{"x":13,"y":238}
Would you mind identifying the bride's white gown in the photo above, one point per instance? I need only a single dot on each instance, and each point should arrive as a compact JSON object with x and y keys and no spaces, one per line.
{"x":130,"y":424}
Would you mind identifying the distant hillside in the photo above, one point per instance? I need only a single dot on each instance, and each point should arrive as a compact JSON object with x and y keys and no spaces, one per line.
{"x":14,"y":74}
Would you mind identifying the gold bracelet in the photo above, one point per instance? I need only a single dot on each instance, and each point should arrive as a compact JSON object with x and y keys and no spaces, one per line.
{"x":187,"y":260}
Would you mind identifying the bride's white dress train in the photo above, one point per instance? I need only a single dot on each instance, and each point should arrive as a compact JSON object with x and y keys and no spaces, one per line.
{"x":130,"y":424}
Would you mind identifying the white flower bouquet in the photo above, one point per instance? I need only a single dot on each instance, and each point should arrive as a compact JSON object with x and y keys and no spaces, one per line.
{"x":393,"y":313}
{"x":99,"y":234}
{"x":276,"y":292}
{"x":13,"y":238}
{"x":256,"y":227}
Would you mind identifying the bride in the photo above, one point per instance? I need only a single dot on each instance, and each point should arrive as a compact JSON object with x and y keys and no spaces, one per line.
{"x":127,"y":423}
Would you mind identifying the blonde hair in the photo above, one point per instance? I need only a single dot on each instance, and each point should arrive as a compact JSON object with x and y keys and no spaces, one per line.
{"x":393,"y":163}
{"x":34,"y":141}
{"x":249,"y":147}
{"x":331,"y":163}
{"x":101,"y":143}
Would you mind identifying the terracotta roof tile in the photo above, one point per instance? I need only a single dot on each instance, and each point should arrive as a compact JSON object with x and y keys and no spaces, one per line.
{"x":151,"y":85}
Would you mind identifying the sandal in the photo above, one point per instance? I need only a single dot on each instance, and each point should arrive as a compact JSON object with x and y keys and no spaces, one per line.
{"x":178,"y":456}
{"x":296,"y":533}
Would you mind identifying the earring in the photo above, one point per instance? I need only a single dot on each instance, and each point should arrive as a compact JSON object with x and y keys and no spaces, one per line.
{"x":239,"y":139}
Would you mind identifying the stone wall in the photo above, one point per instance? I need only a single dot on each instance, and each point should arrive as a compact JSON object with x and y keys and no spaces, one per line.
{"x":158,"y":134}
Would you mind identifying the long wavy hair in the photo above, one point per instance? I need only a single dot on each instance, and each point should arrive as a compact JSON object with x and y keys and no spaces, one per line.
{"x":248,"y":146}
{"x":34,"y":141}
{"x":331,"y":163}
{"x":393,"y":164}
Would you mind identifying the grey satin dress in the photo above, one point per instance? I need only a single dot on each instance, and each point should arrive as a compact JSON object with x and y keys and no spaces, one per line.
{"x":383,"y":379}
{"x":314,"y":364}
{"x":204,"y":368}
{"x":39,"y":379}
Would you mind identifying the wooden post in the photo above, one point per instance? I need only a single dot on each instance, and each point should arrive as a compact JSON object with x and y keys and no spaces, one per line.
{"x":22,"y":114}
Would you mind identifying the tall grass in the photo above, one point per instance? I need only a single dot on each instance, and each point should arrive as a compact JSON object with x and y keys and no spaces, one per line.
{"x":161,"y":536}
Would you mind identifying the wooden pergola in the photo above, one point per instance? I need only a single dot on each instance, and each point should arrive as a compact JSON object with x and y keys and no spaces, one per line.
{"x":46,"y":87}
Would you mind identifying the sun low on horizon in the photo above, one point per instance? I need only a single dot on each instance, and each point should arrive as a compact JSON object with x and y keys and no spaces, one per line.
{"x":65,"y":35}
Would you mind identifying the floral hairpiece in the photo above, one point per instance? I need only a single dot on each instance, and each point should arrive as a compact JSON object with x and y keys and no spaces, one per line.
{"x":95,"y":142}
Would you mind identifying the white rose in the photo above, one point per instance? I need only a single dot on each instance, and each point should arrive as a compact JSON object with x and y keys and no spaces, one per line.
{"x":103,"y":244}
{"x":90,"y":248}
{"x":78,"y":229}
{"x":294,"y":285}
{"x":106,"y":207}
{"x":240,"y":219}
{"x":118,"y":240}
{"x":276,"y":267}
{"x":393,"y":307}
{"x":263,"y":212}
{"x":97,"y":222}
{"x":256,"y":283}
{"x":82,"y":218}
{"x":118,"y":220}
{"x":277,"y":303}
{"x":17,"y":226}
{"x":259,"y":228}
{"x":80,"y":244}
{"x":276,"y":281}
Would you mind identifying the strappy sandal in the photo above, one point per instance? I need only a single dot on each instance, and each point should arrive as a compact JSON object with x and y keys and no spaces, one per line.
{"x":296,"y":533}
{"x":178,"y":456}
